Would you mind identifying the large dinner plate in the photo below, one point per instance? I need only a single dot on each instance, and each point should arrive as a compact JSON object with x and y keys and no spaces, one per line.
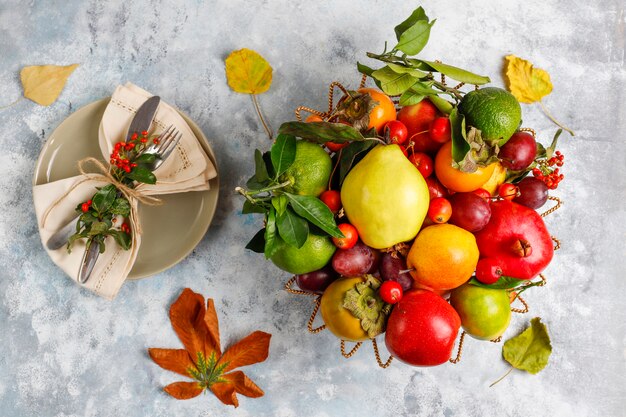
{"x":170,"y":231}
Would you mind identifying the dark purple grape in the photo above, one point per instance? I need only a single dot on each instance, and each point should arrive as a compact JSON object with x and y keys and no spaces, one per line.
{"x":393,"y":269}
{"x":519,"y":151}
{"x":355,"y":261}
{"x":317,"y":281}
{"x":469,"y":211}
{"x":533,"y":193}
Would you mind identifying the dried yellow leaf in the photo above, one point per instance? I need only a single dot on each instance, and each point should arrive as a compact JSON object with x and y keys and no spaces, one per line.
{"x":248,"y":72}
{"x":43,"y":83}
{"x":527,"y":83}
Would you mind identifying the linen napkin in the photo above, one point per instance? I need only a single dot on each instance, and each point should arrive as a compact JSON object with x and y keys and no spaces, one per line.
{"x":187,"y":169}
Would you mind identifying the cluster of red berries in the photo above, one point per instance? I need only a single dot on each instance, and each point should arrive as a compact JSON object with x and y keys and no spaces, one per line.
{"x":121,"y":155}
{"x":551,"y":177}
{"x":125,"y":228}
{"x":85,"y":206}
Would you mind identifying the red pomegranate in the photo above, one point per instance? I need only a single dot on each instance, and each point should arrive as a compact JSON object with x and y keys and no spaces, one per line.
{"x":517,"y":237}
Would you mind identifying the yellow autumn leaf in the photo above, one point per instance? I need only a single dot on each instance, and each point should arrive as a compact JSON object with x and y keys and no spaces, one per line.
{"x":527,"y":83}
{"x":248,"y":72}
{"x":43,"y":83}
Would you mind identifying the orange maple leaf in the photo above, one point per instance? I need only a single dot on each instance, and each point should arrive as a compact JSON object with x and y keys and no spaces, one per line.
{"x":197,"y":328}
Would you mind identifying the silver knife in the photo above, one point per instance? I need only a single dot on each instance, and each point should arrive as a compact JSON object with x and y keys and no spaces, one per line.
{"x":141,"y":121}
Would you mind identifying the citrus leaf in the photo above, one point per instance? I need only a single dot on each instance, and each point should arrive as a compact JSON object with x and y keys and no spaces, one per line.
{"x":257,"y":243}
{"x":315,"y":211}
{"x":248,"y":72}
{"x":249,"y":207}
{"x":283,"y":153}
{"x":503,"y":283}
{"x":392,"y":82}
{"x":260,"y":169}
{"x":460,"y":147}
{"x":43,"y":83}
{"x":410,"y":97}
{"x":402,"y":69}
{"x":443,"y":105}
{"x":271,"y":240}
{"x":414,"y":38}
{"x":321,"y":132}
{"x":351,"y":154}
{"x":243,"y":385}
{"x":293,"y":229}
{"x":184,"y":390}
{"x":417,"y":15}
{"x":175,"y":360}
{"x":251,"y":349}
{"x":364,"y":69}
{"x":280,"y":204}
{"x":527,"y":83}
{"x":530,"y":350}
{"x":457,"y":73}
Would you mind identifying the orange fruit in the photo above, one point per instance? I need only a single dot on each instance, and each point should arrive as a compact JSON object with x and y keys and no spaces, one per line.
{"x":443,"y":257}
{"x":457,"y":180}
{"x":384,"y":112}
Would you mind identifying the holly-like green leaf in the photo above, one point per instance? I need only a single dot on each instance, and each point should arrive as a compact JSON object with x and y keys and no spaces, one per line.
{"x":121,"y":206}
{"x":318,"y":213}
{"x":142,"y":174}
{"x":283,"y":153}
{"x":293,"y":229}
{"x":97,"y":228}
{"x":104,"y":198}
{"x":530,"y":350}
{"x":121,"y":238}
{"x":392,"y":82}
{"x":457,"y":73}
{"x":146,"y":158}
{"x":321,"y":132}
{"x":260,"y":169}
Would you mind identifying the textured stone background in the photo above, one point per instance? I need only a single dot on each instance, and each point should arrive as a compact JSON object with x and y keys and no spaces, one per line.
{"x":65,"y":352}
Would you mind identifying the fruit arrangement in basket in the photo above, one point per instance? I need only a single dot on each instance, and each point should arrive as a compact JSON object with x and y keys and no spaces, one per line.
{"x":409,"y":209}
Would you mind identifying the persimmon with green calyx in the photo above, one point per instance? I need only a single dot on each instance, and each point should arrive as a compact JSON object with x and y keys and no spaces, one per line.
{"x":385,"y":197}
{"x":352,"y":309}
{"x":485,"y":312}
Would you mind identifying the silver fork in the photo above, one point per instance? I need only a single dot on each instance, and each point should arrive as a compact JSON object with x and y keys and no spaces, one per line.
{"x":164,"y":147}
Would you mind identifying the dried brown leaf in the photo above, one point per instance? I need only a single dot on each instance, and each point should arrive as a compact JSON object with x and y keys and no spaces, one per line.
{"x":243,"y":385}
{"x":225,"y":392}
{"x":213,"y":327}
{"x":183,"y":390}
{"x":187,"y":317}
{"x":251,"y":349}
{"x":175,"y":360}
{"x":43,"y":83}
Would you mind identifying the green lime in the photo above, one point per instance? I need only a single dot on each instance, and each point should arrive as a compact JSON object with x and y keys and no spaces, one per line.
{"x":313,"y":255}
{"x":310,"y":171}
{"x":493,"y":111}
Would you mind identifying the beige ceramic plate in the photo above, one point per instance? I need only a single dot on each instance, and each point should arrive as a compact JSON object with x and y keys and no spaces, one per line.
{"x":171,"y":231}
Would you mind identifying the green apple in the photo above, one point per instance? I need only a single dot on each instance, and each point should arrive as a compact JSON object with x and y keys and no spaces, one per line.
{"x":485,"y":312}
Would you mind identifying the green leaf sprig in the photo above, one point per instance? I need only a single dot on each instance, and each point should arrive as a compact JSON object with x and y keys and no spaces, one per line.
{"x":289,"y":217}
{"x":104,"y":213}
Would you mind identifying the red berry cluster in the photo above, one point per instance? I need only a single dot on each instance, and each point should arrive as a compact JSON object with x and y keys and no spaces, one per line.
{"x":123,"y":152}
{"x":125,"y":228}
{"x":551,"y":177}
{"x":85,"y":206}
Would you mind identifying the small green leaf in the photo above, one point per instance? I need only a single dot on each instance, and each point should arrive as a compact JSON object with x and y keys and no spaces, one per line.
{"x":550,"y":149}
{"x":271,"y":240}
{"x":104,"y":198}
{"x":460,"y":147}
{"x":146,"y":158}
{"x":293,"y":229}
{"x":121,"y":238}
{"x":457,"y":73}
{"x":393,"y":83}
{"x":364,"y":69}
{"x":402,"y":69}
{"x":121,"y":206}
{"x":417,"y":93}
{"x":443,"y":105}
{"x":415,"y":37}
{"x":283,"y":153}
{"x":257,"y":243}
{"x":98,"y":228}
{"x":142,"y":174}
{"x":321,"y":132}
{"x":530,"y":350}
{"x":503,"y":283}
{"x":280,"y":204}
{"x":318,"y":213}
{"x":417,"y":15}
{"x":351,"y":154}
{"x":410,"y":97}
{"x":260,"y":169}
{"x":249,"y":207}
{"x":252,"y":184}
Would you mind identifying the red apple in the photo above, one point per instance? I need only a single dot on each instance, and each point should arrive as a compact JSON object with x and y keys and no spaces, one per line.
{"x":518,"y":238}
{"x":417,"y":119}
{"x":422,"y":328}
{"x":423,"y":163}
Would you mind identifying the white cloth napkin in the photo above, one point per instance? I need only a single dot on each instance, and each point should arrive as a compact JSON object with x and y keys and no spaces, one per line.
{"x":188,"y":168}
